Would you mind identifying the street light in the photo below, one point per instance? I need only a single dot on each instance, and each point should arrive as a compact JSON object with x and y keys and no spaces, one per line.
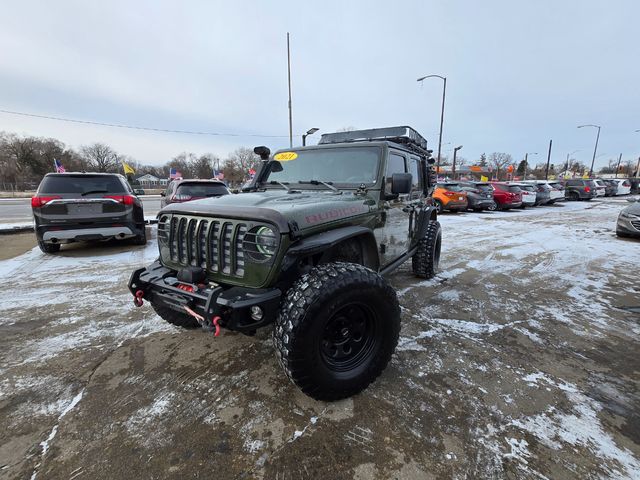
{"x":453,"y":168}
{"x":311,"y":131}
{"x":526,"y":162}
{"x":444,"y":92}
{"x":593,"y":160}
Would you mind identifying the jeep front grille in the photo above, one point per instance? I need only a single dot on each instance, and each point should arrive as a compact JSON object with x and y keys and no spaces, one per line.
{"x":213,"y":244}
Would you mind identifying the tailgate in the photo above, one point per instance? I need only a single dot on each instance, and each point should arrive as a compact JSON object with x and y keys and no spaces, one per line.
{"x":85,"y":210}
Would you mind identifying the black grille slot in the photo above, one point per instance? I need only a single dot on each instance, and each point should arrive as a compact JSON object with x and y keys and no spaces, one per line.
{"x":636,"y":224}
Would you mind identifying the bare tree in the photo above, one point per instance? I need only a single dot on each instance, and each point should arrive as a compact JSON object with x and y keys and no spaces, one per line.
{"x":202,"y":166}
{"x":499,"y":161}
{"x":100,"y":157}
{"x":238,"y":164}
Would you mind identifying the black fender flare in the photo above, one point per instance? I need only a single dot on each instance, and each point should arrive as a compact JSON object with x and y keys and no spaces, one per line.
{"x":324,"y":241}
{"x":424,"y":217}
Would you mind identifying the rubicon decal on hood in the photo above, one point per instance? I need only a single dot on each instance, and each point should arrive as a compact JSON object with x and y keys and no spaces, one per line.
{"x":335,"y":213}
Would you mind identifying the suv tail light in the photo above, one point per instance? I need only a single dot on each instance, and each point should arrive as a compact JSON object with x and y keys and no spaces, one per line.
{"x":587,"y":189}
{"x":41,"y":201}
{"x":124,"y":199}
{"x":450,"y":194}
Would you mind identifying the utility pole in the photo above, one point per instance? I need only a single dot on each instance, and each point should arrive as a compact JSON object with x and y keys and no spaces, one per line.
{"x":289,"y":77}
{"x":546,"y":171}
{"x":618,"y":167}
{"x":638,"y":168}
{"x":526,"y":164}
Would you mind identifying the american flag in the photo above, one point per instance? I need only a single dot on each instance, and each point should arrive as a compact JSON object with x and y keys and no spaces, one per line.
{"x":174,"y":173}
{"x":218,"y":174}
{"x":58,"y":166}
{"x":252,"y":173}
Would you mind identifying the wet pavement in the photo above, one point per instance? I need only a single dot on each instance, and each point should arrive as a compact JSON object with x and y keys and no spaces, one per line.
{"x":519,"y":360}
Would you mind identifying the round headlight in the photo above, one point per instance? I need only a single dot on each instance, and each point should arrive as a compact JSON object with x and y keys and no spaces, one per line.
{"x":266,"y":241}
{"x":260,"y":243}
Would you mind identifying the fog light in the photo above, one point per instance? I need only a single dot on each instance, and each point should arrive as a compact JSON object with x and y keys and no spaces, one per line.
{"x":256,"y":313}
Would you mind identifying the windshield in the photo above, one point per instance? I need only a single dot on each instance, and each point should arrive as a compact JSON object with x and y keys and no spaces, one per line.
{"x":201,"y":189}
{"x":332,"y":165}
{"x":82,"y":184}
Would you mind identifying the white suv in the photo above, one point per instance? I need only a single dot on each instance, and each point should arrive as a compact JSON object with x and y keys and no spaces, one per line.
{"x":557,"y":190}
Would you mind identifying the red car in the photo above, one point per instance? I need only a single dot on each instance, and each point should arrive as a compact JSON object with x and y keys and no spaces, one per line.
{"x":506,"y":196}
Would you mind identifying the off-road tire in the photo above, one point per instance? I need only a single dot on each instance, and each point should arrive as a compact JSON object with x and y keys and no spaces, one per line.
{"x":49,"y":247}
{"x":140,"y":239}
{"x":426,"y":259}
{"x":175,"y":318}
{"x":310,"y":317}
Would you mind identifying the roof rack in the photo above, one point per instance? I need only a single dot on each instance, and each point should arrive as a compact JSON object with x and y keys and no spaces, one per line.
{"x":404,"y":135}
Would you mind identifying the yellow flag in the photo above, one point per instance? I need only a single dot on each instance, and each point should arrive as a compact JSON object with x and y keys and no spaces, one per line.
{"x":127,"y":169}
{"x":484,"y":179}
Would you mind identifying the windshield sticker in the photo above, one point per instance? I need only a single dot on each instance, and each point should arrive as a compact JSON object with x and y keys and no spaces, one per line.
{"x":285,"y":156}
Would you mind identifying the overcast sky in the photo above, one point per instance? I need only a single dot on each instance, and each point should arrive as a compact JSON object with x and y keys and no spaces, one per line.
{"x":519,"y":72}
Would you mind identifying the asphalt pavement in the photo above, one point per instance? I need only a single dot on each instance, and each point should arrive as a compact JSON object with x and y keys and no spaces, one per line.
{"x":18,"y":210}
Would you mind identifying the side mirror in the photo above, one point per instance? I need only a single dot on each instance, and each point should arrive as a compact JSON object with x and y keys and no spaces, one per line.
{"x":401,"y":183}
{"x":275,"y":166}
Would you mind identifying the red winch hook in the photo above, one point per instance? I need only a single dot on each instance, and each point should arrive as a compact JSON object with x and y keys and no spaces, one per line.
{"x":137,"y":299}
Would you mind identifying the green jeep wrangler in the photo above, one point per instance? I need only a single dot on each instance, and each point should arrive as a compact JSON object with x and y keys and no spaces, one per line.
{"x":306,"y":248}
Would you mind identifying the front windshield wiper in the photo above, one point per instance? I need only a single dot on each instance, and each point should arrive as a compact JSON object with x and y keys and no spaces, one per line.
{"x":319,"y":182}
{"x":277,"y":182}
{"x":94,"y":191}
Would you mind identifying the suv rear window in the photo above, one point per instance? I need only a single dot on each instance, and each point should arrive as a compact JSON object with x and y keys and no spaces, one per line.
{"x":82,"y":184}
{"x":201,"y":189}
{"x":514,"y":189}
{"x":557,"y":186}
{"x":528,"y":188}
{"x":485,"y":187}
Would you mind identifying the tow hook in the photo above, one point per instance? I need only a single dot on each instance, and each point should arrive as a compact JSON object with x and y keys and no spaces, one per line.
{"x":210,"y":325}
{"x":137,"y":299}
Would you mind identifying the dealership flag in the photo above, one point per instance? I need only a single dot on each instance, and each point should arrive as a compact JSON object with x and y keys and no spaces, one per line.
{"x":127,"y":169}
{"x":58,"y":166}
{"x":174,"y":173}
{"x":218,"y":174}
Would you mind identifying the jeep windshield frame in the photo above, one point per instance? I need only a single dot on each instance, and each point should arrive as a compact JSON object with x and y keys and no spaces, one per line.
{"x":342,"y":166}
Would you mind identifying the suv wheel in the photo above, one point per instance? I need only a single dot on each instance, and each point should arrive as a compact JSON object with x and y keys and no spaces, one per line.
{"x":438,"y":205}
{"x":49,"y":247}
{"x":573,"y":195}
{"x":337,"y":328}
{"x":178,"y":319}
{"x":426,"y":259}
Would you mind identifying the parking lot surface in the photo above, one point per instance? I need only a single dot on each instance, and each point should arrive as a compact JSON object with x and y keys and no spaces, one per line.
{"x":519,"y":360}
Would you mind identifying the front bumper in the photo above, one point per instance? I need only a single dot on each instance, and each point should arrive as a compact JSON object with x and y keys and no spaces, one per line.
{"x":628,"y":226}
{"x":160,"y":286}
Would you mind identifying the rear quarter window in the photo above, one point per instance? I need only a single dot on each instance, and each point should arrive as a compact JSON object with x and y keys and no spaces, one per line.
{"x":82,"y":184}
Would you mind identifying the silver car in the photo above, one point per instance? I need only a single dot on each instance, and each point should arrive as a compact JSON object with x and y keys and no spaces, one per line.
{"x":629,"y":220}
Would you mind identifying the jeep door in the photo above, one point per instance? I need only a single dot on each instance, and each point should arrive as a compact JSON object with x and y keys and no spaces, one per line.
{"x":394,"y":234}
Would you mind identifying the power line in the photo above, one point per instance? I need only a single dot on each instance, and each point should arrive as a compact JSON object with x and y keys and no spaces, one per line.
{"x":134,"y":127}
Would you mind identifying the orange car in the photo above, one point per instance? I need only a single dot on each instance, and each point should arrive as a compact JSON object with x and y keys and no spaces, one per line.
{"x":449,"y":196}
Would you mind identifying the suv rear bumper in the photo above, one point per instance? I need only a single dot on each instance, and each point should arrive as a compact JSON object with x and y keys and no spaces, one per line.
{"x":71,"y":233}
{"x":160,"y":286}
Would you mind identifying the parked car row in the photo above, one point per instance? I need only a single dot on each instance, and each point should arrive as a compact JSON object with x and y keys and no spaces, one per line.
{"x":477,"y":196}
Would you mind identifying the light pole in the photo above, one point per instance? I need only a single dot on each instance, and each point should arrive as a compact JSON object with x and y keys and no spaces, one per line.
{"x":453,"y":168}
{"x":444,"y":93}
{"x":595,"y":149}
{"x":638,"y":164}
{"x":526,"y":163}
{"x":311,"y":131}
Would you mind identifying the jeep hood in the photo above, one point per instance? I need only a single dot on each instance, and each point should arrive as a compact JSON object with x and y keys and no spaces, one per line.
{"x":307,"y":208}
